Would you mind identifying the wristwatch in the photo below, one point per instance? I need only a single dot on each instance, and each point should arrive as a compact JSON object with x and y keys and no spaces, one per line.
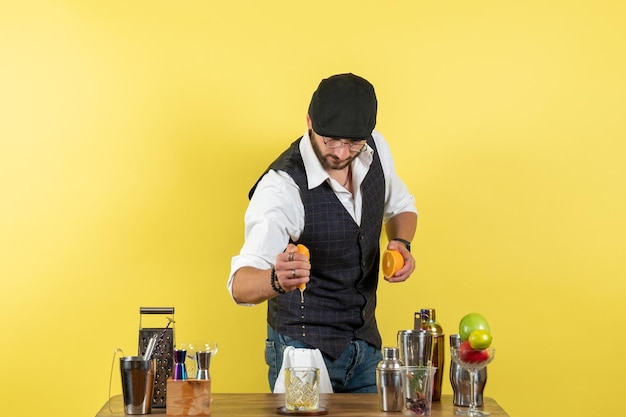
{"x":406,"y":243}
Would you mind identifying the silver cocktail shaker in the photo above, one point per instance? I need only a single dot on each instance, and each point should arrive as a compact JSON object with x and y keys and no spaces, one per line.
{"x":426,"y":320}
{"x":389,"y":381}
{"x":460,"y":380}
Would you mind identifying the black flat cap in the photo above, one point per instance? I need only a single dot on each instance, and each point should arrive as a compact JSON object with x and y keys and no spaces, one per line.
{"x":344,"y":106}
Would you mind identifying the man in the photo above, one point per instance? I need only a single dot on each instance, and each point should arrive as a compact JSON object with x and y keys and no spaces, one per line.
{"x":331,"y":191}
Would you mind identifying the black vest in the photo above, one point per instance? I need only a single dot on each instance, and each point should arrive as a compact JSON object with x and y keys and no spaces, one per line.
{"x":340,"y":298}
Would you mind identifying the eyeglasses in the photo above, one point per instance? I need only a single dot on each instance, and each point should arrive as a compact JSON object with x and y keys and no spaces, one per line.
{"x":359,"y":146}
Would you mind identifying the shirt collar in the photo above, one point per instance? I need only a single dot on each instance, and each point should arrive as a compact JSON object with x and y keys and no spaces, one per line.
{"x":315,"y":172}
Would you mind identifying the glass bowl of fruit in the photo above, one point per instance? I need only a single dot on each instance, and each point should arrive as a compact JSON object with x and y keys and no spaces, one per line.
{"x":472,"y":360}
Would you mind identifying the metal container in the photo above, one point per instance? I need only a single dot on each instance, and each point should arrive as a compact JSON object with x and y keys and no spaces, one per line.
{"x":137,"y":384}
{"x":415,"y":347}
{"x":180,"y":370}
{"x":460,"y":380}
{"x":426,"y":320}
{"x":389,"y":381}
{"x":203,"y":361}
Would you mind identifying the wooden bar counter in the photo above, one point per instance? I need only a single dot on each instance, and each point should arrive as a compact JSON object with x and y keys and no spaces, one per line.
{"x":339,"y":405}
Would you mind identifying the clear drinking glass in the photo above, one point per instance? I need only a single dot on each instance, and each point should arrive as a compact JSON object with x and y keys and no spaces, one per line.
{"x":417,"y":384}
{"x":194,"y":346}
{"x":302,"y":392}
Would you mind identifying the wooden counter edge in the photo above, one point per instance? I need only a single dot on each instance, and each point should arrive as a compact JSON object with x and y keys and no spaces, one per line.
{"x":258,"y":404}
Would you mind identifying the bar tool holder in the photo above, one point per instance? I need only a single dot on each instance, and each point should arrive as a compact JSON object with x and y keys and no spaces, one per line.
{"x":163,"y":351}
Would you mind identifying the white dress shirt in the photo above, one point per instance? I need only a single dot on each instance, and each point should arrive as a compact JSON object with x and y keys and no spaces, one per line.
{"x":275,"y":214}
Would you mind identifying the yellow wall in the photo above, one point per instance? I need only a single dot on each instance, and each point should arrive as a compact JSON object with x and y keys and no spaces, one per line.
{"x":130,"y":132}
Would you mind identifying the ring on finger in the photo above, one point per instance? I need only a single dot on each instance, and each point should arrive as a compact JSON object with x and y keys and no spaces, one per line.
{"x":290,"y":257}
{"x":293,"y":273}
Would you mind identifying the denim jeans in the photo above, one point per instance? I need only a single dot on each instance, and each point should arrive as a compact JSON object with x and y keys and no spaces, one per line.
{"x":353,"y":371}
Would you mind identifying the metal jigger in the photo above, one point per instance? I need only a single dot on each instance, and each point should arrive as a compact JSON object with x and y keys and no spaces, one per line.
{"x":180,"y":371}
{"x":203,"y":359}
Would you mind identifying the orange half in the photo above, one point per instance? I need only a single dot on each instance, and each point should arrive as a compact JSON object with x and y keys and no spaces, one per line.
{"x":392,"y":262}
{"x":305,"y":251}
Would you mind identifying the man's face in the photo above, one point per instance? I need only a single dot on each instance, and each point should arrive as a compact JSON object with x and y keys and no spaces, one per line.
{"x":331,"y":159}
